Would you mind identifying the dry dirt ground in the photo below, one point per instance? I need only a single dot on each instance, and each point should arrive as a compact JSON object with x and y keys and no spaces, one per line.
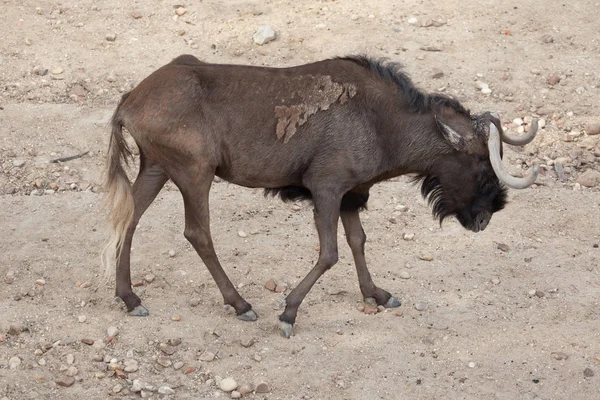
{"x":513,"y":312}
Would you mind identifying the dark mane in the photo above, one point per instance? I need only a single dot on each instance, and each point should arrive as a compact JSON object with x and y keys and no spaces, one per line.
{"x":418,"y":101}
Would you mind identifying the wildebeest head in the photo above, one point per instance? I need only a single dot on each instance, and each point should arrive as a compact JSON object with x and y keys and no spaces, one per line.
{"x":468,"y":181}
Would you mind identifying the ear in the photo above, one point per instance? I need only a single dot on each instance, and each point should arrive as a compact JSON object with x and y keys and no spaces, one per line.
{"x":454,"y":138}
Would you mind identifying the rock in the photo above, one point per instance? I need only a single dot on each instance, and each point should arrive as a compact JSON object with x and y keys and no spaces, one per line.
{"x":194,"y":302}
{"x":589,"y":178}
{"x":262,"y":387}
{"x":111,"y":37}
{"x":112,"y":331}
{"x":408,"y":236}
{"x":208,"y":355}
{"x":136,"y":386}
{"x":176,"y":317}
{"x":354,"y":17}
{"x":425,"y":258}
{"x":560,"y":171}
{"x":189,"y":370}
{"x":503,"y":247}
{"x":178,"y":365}
{"x":168,"y":350}
{"x":593,"y":129}
{"x":553,"y":80}
{"x":72,"y":371}
{"x":42,"y":362}
{"x":149,"y":278}
{"x":271,"y":285}
{"x":559,"y":355}
{"x":14,"y":329}
{"x":245,"y":388}
{"x":404,"y":275}
{"x":597,"y":151}
{"x":67,"y":381}
{"x":547,"y":39}
{"x":228,"y":384}
{"x":38,"y":352}
{"x":264,"y":34}
{"x":166,"y":390}
{"x":39,"y":70}
{"x":539,"y":293}
{"x":472,"y":364}
{"x":171,"y":253}
{"x":280,"y":288}
{"x":40,"y":282}
{"x":236,"y":395}
{"x":81,"y":319}
{"x":57,"y":71}
{"x":18,"y":163}
{"x":70,"y":359}
{"x":321,"y":26}
{"x":401,"y":208}
{"x":130,"y":365}
{"x":588,"y":372}
{"x":89,"y":342}
{"x":296,"y":207}
{"x":495,"y":281}
{"x":117,"y":388}
{"x":242,"y":234}
{"x":14,"y":362}
{"x":369,"y":309}
{"x":257,"y":357}
{"x":111,"y":77}
{"x":136,"y":15}
{"x":180,"y":11}
{"x":247,"y":341}
{"x":421,"y":306}
{"x":436,"y":73}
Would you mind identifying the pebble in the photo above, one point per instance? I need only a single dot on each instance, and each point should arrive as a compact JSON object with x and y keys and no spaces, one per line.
{"x":111,"y":77}
{"x":409,"y":236}
{"x":495,"y":281}
{"x":426,"y":258}
{"x":247,"y":341}
{"x":271,"y":285}
{"x":111,"y":37}
{"x":149,"y":278}
{"x":18,"y":163}
{"x":72,"y":371}
{"x":166,"y":390}
{"x":553,"y":80}
{"x":228,"y":384}
{"x":89,"y":342}
{"x":14,"y":362}
{"x":81,"y":319}
{"x":597,"y":151}
{"x":39,"y":70}
{"x":421,"y":306}
{"x":67,"y":381}
{"x":189,"y":370}
{"x":85,"y":285}
{"x":136,"y":386}
{"x":178,"y":365}
{"x":236,"y":395}
{"x":503,"y":247}
{"x":112,"y":331}
{"x":531,"y":292}
{"x":280,"y":288}
{"x":264,"y":34}
{"x":369,"y":310}
{"x":547,"y":39}
{"x":42,"y":362}
{"x":14,"y":329}
{"x":354,"y":17}
{"x":262,"y":387}
{"x":136,"y":15}
{"x":171,"y":253}
{"x":208,"y":355}
{"x":257,"y":357}
{"x":176,"y":318}
{"x":168,"y":350}
{"x":413,"y":21}
{"x":117,"y":388}
{"x":401,"y":208}
{"x":40,"y":282}
{"x":471,"y":364}
{"x":404,"y":275}
{"x":130,"y":365}
{"x":539,"y":293}
{"x":559,"y":355}
{"x":436,"y":73}
{"x":588,"y":372}
{"x":245,"y":388}
{"x":589,"y":178}
{"x":180,"y":11}
{"x":194,"y":302}
{"x":38,"y":352}
{"x":242,"y":234}
{"x":57,"y":71}
{"x":70,"y":358}
{"x":296,"y":207}
{"x":593,"y":129}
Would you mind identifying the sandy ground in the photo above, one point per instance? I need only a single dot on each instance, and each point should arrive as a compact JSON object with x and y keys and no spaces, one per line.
{"x":513,"y":312}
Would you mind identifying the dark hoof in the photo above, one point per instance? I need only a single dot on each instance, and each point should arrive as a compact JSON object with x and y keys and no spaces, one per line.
{"x":249,"y":315}
{"x":139,"y":311}
{"x":392,"y":303}
{"x":287,"y":329}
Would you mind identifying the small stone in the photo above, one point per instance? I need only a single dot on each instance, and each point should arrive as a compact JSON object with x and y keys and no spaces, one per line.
{"x":280,"y":288}
{"x":166,"y":390}
{"x":180,"y":11}
{"x":194,"y":302}
{"x":242,"y":234}
{"x":436,"y":73}
{"x":111,"y":37}
{"x":531,"y":292}
{"x":296,"y":207}
{"x":589,"y":178}
{"x":111,"y":77}
{"x":136,"y":386}
{"x":247,"y":341}
{"x":39,"y":70}
{"x":262,"y":387}
{"x":547,"y":39}
{"x":588,"y":372}
{"x":236,"y":395}
{"x":89,"y":342}
{"x":72,"y":371}
{"x":178,"y":365}
{"x":171,"y":253}
{"x":70,"y":358}
{"x":401,"y":208}
{"x":18,"y":163}
{"x":38,"y":352}
{"x":257,"y":357}
{"x":503,"y":247}
{"x":404,"y":275}
{"x":208,"y":355}
{"x":164,"y":362}
{"x":539,"y":293}
{"x":42,"y":362}
{"x":421,"y":306}
{"x":495,"y":281}
{"x":369,"y":310}
{"x":168,"y":350}
{"x":174,"y":341}
{"x":136,"y":15}
{"x":189,"y":370}
{"x":408,"y":236}
{"x":40,"y":282}
{"x":553,"y":80}
{"x":471,"y":364}
{"x":85,"y":285}
{"x":354,"y":17}
{"x":112,"y":331}
{"x":145,"y":394}
{"x":81,"y":319}
{"x":597,"y":151}
{"x":245,"y":388}
{"x":271,"y":285}
{"x":14,"y":362}
{"x":321,"y":26}
{"x":413,"y":21}
{"x":264,"y":34}
{"x":176,"y":318}
{"x":100,"y":375}
{"x":228,"y":384}
{"x":14,"y":329}
{"x":593,"y":129}
{"x":559,"y":355}
{"x":149,"y":278}
{"x":117,"y":388}
{"x":66,"y":381}
{"x":426,"y":258}
{"x":57,"y":71}
{"x":131,"y":365}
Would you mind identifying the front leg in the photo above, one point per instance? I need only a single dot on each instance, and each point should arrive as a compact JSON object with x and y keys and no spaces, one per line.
{"x":355,"y":235}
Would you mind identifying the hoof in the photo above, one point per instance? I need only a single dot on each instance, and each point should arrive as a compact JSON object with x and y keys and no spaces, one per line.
{"x":249,"y":315}
{"x":392,"y":303}
{"x":287,"y":329}
{"x":139,"y":311}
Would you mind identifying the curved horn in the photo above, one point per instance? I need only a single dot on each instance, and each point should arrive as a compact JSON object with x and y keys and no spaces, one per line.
{"x":521,"y":140}
{"x":501,"y":173}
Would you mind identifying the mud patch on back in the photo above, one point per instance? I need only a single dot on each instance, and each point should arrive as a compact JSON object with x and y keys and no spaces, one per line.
{"x":310,"y":95}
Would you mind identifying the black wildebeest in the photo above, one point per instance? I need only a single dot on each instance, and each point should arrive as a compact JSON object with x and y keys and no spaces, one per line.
{"x":325,"y":131}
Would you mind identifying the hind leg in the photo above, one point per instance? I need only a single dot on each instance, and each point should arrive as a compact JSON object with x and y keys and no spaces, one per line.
{"x":150,"y":180}
{"x":195,"y":187}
